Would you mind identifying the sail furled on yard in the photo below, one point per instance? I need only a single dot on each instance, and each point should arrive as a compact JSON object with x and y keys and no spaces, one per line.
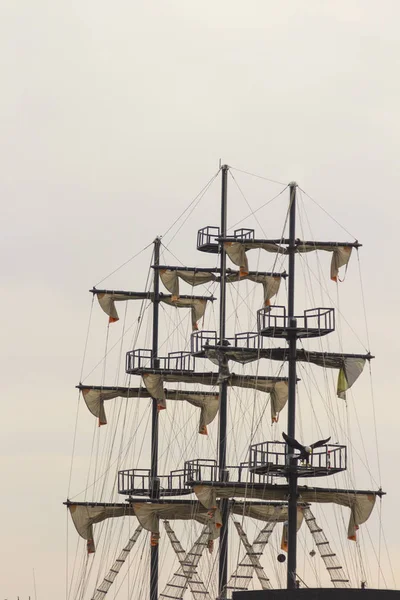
{"x":341,"y":252}
{"x":348,"y":374}
{"x":350,"y":365}
{"x":237,"y":252}
{"x":95,"y":396}
{"x":85,"y":515}
{"x":171,"y":277}
{"x":361,"y":503}
{"x":108,"y":298}
{"x":277,"y":387}
{"x":148,"y":513}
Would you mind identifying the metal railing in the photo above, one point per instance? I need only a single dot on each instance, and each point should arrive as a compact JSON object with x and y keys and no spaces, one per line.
{"x":316,"y":320}
{"x":175,"y":361}
{"x":199,"y":340}
{"x":138,"y":481}
{"x":330,"y":457}
{"x":207,"y":237}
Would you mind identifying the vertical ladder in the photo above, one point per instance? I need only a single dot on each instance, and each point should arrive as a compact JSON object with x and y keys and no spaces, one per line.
{"x":335,"y":570}
{"x":243,"y":574}
{"x":186,"y":576}
{"x":108,"y":580}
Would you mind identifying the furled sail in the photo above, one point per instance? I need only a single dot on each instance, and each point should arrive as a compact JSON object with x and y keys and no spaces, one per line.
{"x":170,"y":278}
{"x":350,"y":365}
{"x":361,"y":503}
{"x":341,"y":252}
{"x":237,"y":252}
{"x":95,"y":396}
{"x":277,"y":387}
{"x":85,"y":514}
{"x":108,"y":298}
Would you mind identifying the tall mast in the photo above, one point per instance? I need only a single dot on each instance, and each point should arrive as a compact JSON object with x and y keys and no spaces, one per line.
{"x":155,"y":364}
{"x":292,"y":341}
{"x":223,"y":473}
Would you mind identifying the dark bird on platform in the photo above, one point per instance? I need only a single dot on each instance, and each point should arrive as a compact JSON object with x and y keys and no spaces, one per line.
{"x":305,"y":451}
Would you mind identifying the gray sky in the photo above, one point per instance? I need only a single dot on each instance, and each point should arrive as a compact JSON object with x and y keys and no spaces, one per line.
{"x":113,"y":116}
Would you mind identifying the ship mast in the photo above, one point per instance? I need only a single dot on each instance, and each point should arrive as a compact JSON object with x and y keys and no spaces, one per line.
{"x":292,"y":341}
{"x":155,"y":364}
{"x":223,"y":473}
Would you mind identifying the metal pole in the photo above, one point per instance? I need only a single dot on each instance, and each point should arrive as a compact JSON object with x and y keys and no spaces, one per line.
{"x":292,"y":340}
{"x":223,"y":393}
{"x":155,"y":363}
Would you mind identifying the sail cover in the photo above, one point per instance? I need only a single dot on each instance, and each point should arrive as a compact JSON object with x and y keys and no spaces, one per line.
{"x":206,"y":401}
{"x":340,"y":252}
{"x":361,"y":504}
{"x":277,"y":387}
{"x":108,"y":298}
{"x":85,"y":515}
{"x":171,"y":277}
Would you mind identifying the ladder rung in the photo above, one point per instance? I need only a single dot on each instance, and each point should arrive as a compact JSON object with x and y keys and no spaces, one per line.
{"x":327,"y":555}
{"x":321,"y":543}
{"x":340,"y":580}
{"x":318,"y":530}
{"x":234,"y":587}
{"x":333,"y":568}
{"x":201,"y":543}
{"x":242,"y":576}
{"x":187,"y":571}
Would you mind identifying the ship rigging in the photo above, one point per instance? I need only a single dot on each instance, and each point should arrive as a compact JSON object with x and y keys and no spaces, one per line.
{"x":211,"y":491}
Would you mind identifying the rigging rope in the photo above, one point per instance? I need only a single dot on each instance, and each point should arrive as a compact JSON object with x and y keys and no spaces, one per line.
{"x":327,"y":213}
{"x":259,"y":208}
{"x":258,"y":176}
{"x":198,"y":197}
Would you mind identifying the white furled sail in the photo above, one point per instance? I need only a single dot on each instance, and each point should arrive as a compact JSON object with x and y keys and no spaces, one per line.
{"x":361,"y":503}
{"x":277,"y":388}
{"x":108,"y":298}
{"x":171,"y":277}
{"x":340,"y":252}
{"x":95,"y":396}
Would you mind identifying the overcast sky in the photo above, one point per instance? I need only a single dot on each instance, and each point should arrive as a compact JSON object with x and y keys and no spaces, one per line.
{"x":113,"y":117}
